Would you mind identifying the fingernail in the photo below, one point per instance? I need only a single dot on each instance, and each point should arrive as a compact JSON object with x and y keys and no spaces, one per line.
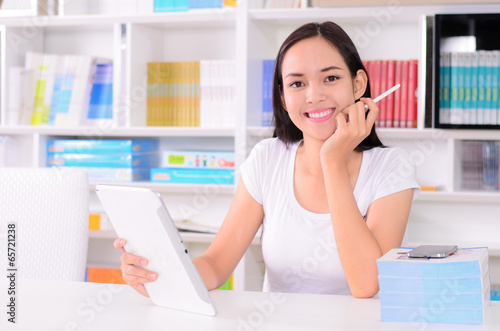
{"x":152,"y":276}
{"x":121,"y":241}
{"x":144,"y":262}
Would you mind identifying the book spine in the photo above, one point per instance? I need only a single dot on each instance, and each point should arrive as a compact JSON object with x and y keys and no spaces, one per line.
{"x":397,"y":94}
{"x":412,"y":94}
{"x":382,"y":115}
{"x":391,"y":81}
{"x":404,"y":94}
{"x":481,"y":82}
{"x":454,"y":80}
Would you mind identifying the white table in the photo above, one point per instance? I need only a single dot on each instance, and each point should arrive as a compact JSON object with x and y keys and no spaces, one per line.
{"x":52,"y":306}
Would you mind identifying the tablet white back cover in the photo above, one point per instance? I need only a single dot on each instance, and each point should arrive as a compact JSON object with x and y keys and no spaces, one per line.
{"x":140,"y":217}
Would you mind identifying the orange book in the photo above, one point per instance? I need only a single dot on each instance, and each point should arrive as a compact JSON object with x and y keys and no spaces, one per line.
{"x":391,"y":81}
{"x":411,"y":121}
{"x":404,"y":95}
{"x":105,"y":275}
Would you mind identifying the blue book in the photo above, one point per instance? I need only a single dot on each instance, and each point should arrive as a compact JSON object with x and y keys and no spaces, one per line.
{"x":447,"y":297}
{"x":85,"y":146}
{"x":444,"y":112}
{"x":474,"y":88}
{"x":193,"y":176}
{"x":454,"y":86}
{"x":103,"y":160}
{"x":466,"y":262}
{"x":481,"y":85}
{"x":101,"y":98}
{"x":417,"y":316}
{"x":431,"y":285}
{"x":267,"y":96}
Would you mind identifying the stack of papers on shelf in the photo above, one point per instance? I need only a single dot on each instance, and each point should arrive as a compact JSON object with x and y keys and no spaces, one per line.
{"x":187,"y":225}
{"x":455,"y":289}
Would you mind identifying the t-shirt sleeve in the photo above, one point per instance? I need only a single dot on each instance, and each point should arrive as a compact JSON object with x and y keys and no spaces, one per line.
{"x":253,"y":170}
{"x":397,"y":173}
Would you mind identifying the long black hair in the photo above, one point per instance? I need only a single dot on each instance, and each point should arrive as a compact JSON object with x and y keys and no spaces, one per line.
{"x":285,"y":130}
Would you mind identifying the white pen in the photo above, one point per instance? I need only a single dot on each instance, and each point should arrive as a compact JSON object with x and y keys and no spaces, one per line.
{"x":386,"y":93}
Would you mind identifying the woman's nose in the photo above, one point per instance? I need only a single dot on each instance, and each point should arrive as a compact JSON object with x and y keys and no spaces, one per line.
{"x":315,"y":93}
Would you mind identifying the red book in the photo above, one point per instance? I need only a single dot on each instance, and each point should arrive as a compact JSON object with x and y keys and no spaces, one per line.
{"x":391,"y":81}
{"x":411,"y":121}
{"x":397,"y":95}
{"x":376,"y":68}
{"x":404,"y":94}
{"x":369,"y":69}
{"x":382,"y":105}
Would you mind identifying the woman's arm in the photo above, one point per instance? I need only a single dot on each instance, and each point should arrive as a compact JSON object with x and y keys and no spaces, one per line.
{"x":360,"y":243}
{"x":232,"y":240}
{"x":218,"y":262}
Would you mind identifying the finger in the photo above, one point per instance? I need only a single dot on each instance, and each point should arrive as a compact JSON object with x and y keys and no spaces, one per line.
{"x":372,"y":113}
{"x":342,"y":120}
{"x":128,"y":258}
{"x":137,"y":275}
{"x":141,"y":289}
{"x":120,"y":244}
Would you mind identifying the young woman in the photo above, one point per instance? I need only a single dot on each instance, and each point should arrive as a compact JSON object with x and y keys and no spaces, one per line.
{"x":331,"y":198}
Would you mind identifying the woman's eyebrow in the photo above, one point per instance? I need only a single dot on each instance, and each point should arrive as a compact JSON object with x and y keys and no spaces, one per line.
{"x":330,"y":68}
{"x":296,"y":74}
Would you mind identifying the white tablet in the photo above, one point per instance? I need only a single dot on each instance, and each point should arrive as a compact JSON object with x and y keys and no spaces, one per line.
{"x":140,"y":217}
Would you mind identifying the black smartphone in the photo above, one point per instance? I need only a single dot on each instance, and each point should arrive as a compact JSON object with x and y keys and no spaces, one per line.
{"x":432,"y":251}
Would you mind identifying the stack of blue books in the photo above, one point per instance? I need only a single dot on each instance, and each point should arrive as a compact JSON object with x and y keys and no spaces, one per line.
{"x":455,"y":289}
{"x":106,"y":160}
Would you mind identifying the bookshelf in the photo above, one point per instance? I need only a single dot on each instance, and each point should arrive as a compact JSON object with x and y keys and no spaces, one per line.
{"x":249,"y":34}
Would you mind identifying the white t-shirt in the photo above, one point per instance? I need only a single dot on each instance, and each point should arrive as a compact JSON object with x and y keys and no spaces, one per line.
{"x":298,"y":246}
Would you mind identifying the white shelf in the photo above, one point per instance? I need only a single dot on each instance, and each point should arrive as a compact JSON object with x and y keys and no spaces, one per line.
{"x":188,"y":237}
{"x":192,"y":18}
{"x":171,"y":188}
{"x":460,"y":197}
{"x":153,"y":131}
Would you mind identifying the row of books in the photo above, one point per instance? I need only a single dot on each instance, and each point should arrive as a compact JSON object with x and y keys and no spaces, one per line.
{"x":191,"y":93}
{"x":455,"y":289}
{"x":469,"y":85}
{"x":182,"y":5}
{"x":106,"y":160}
{"x":398,"y":109}
{"x":479,"y":166}
{"x":60,"y":90}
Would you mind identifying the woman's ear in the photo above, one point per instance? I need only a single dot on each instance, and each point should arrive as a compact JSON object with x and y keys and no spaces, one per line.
{"x":283,"y":104}
{"x":360,"y":83}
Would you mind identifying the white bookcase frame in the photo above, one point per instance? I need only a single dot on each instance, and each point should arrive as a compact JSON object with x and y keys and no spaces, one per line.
{"x":248,"y":35}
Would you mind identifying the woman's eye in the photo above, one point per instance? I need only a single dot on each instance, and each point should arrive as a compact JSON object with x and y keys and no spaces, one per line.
{"x":331,"y":78}
{"x":296,"y":84}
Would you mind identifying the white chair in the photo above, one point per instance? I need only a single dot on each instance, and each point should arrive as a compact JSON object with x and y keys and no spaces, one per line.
{"x":50,"y":210}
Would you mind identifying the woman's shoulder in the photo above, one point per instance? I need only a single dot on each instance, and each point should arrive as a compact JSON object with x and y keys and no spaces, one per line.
{"x":389,"y":157}
{"x":269,"y":145}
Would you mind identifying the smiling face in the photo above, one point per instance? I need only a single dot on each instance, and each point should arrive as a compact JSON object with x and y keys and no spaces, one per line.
{"x":317,"y":86}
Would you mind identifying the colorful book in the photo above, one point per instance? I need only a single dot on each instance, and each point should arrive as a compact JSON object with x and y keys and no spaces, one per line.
{"x":85,"y":146}
{"x":132,"y":160}
{"x":193,"y":176}
{"x":101,"y":99}
{"x":198,"y":159}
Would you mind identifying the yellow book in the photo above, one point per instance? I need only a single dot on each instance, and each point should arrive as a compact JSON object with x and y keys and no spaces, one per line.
{"x":196,"y":110}
{"x":149,"y":99}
